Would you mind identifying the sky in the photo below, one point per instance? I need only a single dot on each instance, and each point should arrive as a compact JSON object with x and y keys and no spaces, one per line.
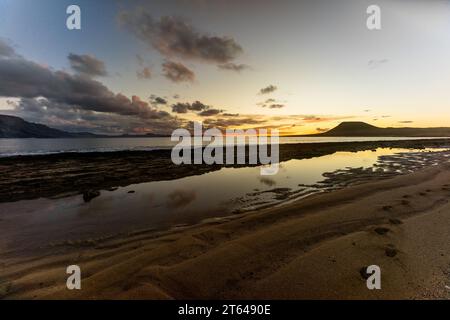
{"x":153,"y":66}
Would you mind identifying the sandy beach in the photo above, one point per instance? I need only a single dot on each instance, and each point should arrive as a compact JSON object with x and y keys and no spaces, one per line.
{"x":310,"y":249}
{"x":208,"y":151}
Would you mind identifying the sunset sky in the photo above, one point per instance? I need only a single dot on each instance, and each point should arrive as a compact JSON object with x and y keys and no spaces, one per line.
{"x":153,"y":66}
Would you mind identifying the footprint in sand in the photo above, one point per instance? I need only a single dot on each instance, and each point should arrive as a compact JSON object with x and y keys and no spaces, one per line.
{"x":405,"y":202}
{"x":381,"y":230}
{"x":363,"y":273}
{"x":390,"y":251}
{"x":395,"y":221}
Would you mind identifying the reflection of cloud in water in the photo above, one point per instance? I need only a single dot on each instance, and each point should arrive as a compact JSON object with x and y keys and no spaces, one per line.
{"x":180,"y":198}
{"x":267,"y":181}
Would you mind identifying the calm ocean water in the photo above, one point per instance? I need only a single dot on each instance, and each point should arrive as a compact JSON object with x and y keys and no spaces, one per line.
{"x":12,"y":147}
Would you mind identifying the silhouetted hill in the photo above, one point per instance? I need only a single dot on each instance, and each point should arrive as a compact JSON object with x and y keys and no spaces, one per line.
{"x":15,"y":127}
{"x":362,"y":129}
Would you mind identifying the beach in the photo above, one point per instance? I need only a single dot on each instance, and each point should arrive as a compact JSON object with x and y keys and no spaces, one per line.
{"x":311,"y":248}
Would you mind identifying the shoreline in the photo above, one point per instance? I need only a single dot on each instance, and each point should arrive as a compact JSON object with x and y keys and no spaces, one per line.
{"x":309,"y":249}
{"x":52,"y":175}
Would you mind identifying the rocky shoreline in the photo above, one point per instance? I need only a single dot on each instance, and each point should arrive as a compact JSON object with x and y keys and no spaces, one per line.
{"x":56,"y":175}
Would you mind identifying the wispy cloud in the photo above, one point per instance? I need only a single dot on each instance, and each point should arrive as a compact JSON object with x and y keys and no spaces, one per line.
{"x":87,"y":65}
{"x":233,"y":67}
{"x":177,"y":72}
{"x":269,"y":89}
{"x":376,"y":63}
{"x":144,"y":74}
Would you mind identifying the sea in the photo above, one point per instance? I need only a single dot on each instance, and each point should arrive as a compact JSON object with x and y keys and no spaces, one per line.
{"x":15,"y":147}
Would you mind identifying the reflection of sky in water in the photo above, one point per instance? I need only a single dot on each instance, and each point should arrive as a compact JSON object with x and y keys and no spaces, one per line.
{"x":164,"y":203}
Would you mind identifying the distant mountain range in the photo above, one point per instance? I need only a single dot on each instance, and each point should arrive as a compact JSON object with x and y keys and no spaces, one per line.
{"x":15,"y":127}
{"x":362,"y":129}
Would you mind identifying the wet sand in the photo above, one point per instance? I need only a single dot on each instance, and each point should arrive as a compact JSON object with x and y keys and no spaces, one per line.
{"x":312,"y":248}
{"x":56,"y":175}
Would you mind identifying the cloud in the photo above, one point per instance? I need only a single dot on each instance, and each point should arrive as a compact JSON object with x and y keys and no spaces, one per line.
{"x":210,"y":112}
{"x":276,"y":106}
{"x":197,"y":106}
{"x":173,"y":36}
{"x":312,"y":118}
{"x":26,"y":79}
{"x":268,"y":89}
{"x":273,"y":106}
{"x":87,"y":65}
{"x":144,"y":74}
{"x":177,"y":72}
{"x":406,"y":121}
{"x":71,"y":118}
{"x":375,"y":63}
{"x":271,"y":103}
{"x":155,"y":100}
{"x":6,"y":50}
{"x":48,"y":94}
{"x":140,"y":60}
{"x":233,"y":122}
{"x":322,"y":129}
{"x":180,"y":107}
{"x":233,"y":67}
{"x":286,"y":123}
{"x":231,"y":114}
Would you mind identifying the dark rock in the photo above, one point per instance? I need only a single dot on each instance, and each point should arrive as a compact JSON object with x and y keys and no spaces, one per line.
{"x":90,"y":194}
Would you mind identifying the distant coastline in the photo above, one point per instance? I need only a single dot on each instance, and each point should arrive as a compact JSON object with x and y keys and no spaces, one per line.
{"x":12,"y":127}
{"x":362,"y":129}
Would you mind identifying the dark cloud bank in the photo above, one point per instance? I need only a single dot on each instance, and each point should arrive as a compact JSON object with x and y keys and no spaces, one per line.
{"x":173,"y":36}
{"x":49,"y":94}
